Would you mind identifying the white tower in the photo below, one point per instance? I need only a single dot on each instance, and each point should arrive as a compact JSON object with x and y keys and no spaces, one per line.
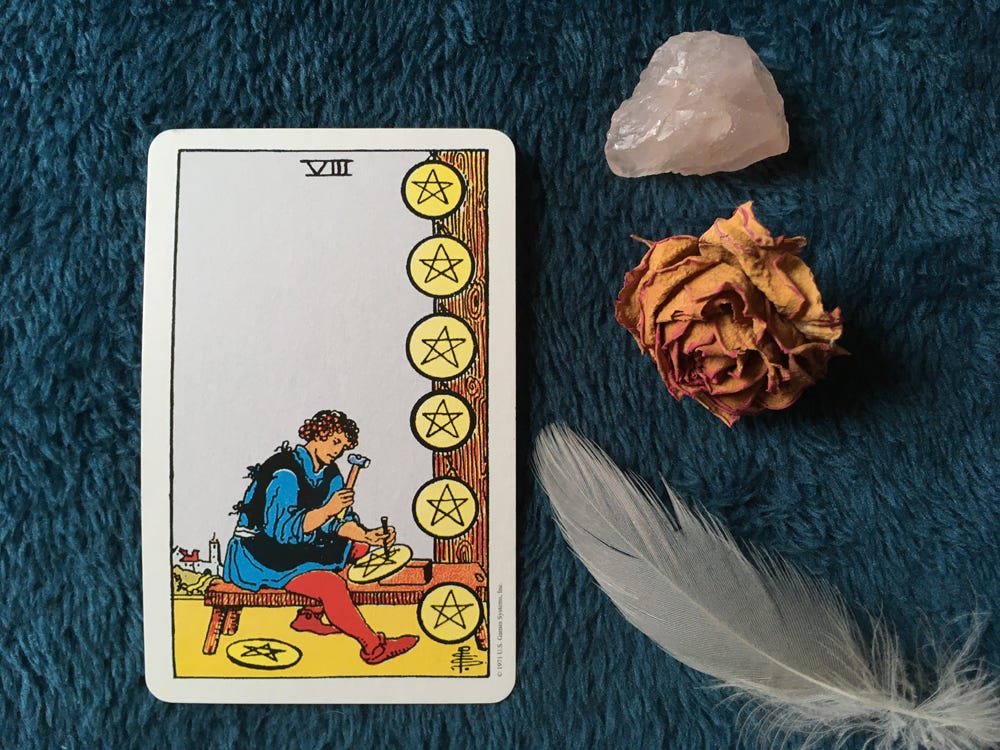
{"x":215,"y":555}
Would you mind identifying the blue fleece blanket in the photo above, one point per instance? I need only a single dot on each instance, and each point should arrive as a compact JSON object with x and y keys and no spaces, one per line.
{"x":883,"y":479}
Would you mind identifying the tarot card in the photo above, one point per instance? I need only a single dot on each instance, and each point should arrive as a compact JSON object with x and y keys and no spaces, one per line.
{"x":328,"y":421}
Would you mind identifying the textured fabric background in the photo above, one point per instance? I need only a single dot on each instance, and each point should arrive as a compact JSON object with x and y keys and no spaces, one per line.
{"x":884,"y":479}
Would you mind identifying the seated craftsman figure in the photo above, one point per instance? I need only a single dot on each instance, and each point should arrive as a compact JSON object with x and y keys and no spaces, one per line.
{"x":297,"y":529}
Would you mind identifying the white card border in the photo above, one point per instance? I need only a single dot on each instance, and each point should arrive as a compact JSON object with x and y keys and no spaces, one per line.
{"x":157,"y":333}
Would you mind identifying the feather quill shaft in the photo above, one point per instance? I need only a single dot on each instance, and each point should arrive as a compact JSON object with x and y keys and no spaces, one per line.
{"x":751,"y":620}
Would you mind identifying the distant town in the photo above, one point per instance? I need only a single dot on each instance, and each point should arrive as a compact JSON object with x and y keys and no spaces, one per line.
{"x":193,"y":571}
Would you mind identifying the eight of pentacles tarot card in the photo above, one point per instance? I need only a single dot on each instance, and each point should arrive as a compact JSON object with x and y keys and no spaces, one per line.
{"x":328,"y":477}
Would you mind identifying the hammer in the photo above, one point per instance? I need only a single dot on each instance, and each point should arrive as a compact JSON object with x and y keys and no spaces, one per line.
{"x":357,"y":462}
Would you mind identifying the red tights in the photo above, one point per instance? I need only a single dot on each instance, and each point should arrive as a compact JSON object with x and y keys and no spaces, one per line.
{"x":331,"y":589}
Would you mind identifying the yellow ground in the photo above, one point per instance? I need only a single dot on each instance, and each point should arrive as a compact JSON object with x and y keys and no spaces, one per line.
{"x":322,"y":656}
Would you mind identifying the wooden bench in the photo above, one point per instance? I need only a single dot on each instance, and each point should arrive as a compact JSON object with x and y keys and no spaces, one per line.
{"x":406,"y":587}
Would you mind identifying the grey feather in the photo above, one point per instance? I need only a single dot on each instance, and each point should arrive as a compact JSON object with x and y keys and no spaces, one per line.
{"x":751,"y":620}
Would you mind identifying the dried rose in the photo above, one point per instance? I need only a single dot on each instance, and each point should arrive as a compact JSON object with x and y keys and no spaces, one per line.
{"x":733,"y":319}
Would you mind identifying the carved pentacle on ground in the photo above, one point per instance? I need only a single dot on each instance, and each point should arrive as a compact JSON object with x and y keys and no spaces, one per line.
{"x":433,"y":189}
{"x":440,"y":266}
{"x":445,"y":508}
{"x":441,"y":347}
{"x":442,"y":420}
{"x":450,"y":613}
{"x":263,"y":653}
{"x":379,"y":563}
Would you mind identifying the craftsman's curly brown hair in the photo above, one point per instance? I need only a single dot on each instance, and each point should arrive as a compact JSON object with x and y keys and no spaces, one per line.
{"x":324,"y":423}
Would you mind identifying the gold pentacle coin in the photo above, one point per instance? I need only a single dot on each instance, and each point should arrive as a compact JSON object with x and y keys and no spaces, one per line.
{"x":450,"y":613}
{"x":440,"y":266}
{"x":433,"y":189}
{"x":442,"y":420}
{"x":263,"y":653}
{"x":379,"y":563}
{"x":441,"y":347}
{"x":445,"y":508}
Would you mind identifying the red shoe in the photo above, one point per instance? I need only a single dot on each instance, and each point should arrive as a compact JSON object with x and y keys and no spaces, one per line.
{"x":311,"y":621}
{"x":387,"y":648}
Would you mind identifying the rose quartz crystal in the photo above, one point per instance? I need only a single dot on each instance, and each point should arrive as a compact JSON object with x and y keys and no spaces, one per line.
{"x":705,"y":103}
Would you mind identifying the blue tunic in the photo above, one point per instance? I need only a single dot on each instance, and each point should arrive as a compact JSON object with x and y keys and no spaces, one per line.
{"x":283,"y":520}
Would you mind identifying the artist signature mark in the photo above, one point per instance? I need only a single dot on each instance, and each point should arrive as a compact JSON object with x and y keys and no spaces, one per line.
{"x":463,"y":660}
